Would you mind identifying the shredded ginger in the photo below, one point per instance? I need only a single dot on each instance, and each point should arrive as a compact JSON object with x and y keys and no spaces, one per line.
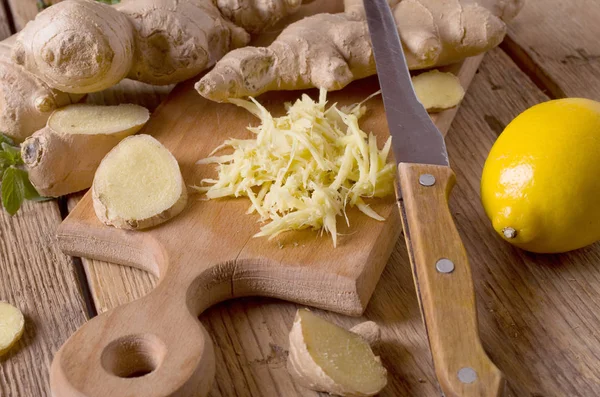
{"x":303,"y":169}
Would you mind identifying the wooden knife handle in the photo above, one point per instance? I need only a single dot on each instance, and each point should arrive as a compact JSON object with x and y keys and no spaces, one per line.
{"x":444,"y":284}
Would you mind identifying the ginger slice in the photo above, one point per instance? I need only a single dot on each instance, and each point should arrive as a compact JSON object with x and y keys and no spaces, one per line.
{"x":12,"y":324}
{"x":62,"y":157}
{"x":328,"y":358}
{"x":123,"y":120}
{"x":138,"y":185}
{"x":437,"y":90}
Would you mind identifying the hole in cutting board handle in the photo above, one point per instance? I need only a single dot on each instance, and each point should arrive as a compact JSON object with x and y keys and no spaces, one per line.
{"x":133,"y":356}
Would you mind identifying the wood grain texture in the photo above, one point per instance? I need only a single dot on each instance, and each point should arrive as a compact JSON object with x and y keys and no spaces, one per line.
{"x":37,"y":278}
{"x":539,"y":314}
{"x":557,"y":43}
{"x":447,"y":299}
{"x":23,"y":11}
{"x":5,"y":28}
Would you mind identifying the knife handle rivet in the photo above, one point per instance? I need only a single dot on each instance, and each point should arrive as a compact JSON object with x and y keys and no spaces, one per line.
{"x":427,"y":179}
{"x":467,"y":375}
{"x":444,"y":266}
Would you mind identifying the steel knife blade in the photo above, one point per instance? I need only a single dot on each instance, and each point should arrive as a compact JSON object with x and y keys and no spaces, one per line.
{"x":415,"y":139}
{"x":439,"y":262}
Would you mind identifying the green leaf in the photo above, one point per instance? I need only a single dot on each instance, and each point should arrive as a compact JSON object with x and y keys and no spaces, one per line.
{"x":29,"y":191}
{"x":13,"y":190}
{"x":7,"y":139}
{"x":11,"y":154}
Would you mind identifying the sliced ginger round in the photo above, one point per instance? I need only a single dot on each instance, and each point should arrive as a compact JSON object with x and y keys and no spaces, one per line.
{"x":12,"y":324}
{"x":124,"y":119}
{"x":328,"y":358}
{"x":437,"y":90}
{"x":138,"y":185}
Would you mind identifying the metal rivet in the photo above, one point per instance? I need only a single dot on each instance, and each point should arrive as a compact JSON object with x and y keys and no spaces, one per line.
{"x":427,"y":179}
{"x":509,"y":232}
{"x":444,"y":265}
{"x":467,"y":375}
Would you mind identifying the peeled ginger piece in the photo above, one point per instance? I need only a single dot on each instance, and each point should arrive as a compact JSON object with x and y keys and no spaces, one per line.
{"x":437,"y":90}
{"x":62,"y":157}
{"x":12,"y":324}
{"x":124,"y":119}
{"x":138,"y":185}
{"x":328,"y":358}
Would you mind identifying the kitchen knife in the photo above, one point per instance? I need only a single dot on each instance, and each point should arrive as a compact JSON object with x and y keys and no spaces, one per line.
{"x":439,"y":262}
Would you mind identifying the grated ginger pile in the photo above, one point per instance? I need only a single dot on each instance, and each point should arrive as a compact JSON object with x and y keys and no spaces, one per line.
{"x":303,"y":169}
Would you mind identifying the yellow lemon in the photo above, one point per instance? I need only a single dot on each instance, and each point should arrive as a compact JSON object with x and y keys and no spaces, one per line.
{"x":541,"y":181}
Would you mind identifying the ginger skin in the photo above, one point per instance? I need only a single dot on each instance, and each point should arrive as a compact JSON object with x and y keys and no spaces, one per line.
{"x":77,"y":46}
{"x":26,"y":102}
{"x":257,"y":15}
{"x":324,"y":50}
{"x":329,"y":51}
{"x":82,"y":46}
{"x":175,"y":40}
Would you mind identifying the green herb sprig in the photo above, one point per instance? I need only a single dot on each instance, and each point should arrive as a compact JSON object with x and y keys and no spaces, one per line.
{"x":14,"y":181}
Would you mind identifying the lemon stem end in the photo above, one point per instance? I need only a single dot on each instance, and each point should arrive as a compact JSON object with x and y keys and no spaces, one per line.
{"x":509,"y":232}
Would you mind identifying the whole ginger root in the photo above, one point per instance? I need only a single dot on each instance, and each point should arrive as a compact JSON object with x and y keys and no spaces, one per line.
{"x":299,"y":58}
{"x":76,"y":47}
{"x":329,"y":51}
{"x":82,"y":46}
{"x":26,"y":102}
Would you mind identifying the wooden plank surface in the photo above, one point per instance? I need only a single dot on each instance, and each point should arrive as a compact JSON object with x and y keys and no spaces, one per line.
{"x":557,"y":42}
{"x":5,"y":28}
{"x":37,"y":278}
{"x":538,"y":313}
{"x":23,"y":11}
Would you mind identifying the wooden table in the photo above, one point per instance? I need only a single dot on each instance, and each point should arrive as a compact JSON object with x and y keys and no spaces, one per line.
{"x":538,"y":313}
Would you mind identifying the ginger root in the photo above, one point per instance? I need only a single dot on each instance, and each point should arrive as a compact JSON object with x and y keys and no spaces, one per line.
{"x":138,"y":185}
{"x":328,"y":358}
{"x":438,"y":91}
{"x":257,"y":15}
{"x":63,"y":157}
{"x":26,"y":102}
{"x":12,"y":324}
{"x":369,"y":331}
{"x":83,"y":46}
{"x":331,"y":50}
{"x":325,"y":50}
{"x":77,"y":46}
{"x":176,"y":40}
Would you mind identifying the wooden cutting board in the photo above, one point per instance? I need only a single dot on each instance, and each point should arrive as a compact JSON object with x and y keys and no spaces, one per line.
{"x":156,"y":346}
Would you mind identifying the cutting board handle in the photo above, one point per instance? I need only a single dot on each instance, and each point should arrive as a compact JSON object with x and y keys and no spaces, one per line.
{"x":152,"y":347}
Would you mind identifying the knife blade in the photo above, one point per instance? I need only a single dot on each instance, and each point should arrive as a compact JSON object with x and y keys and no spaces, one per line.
{"x":439,"y":262}
{"x":421,"y":141}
